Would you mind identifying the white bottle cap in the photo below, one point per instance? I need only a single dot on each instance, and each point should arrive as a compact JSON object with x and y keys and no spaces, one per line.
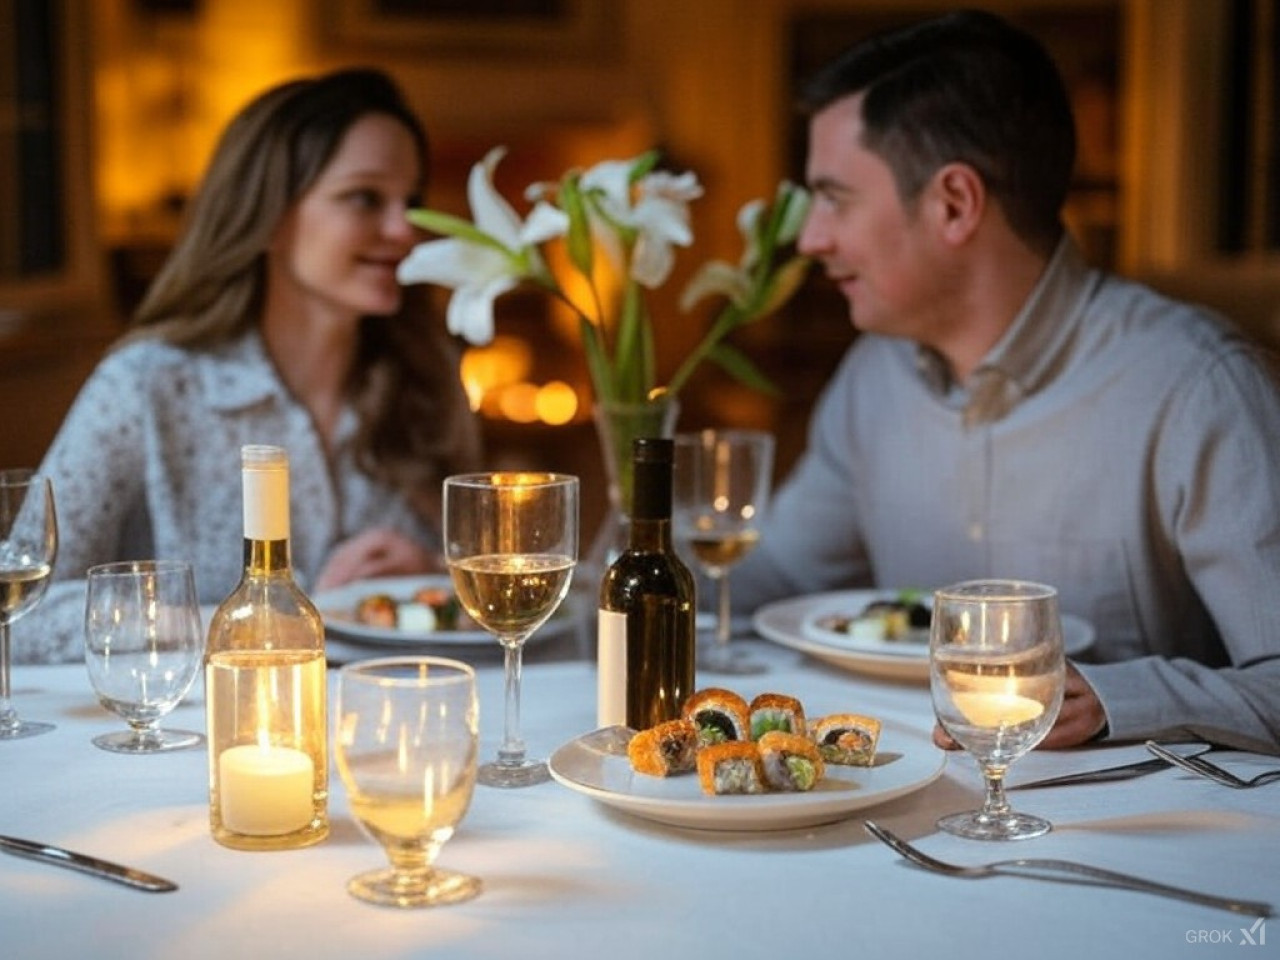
{"x":265,"y":471}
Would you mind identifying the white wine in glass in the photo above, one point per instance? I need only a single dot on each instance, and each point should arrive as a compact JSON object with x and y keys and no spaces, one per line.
{"x":997,"y":671}
{"x":722,"y":481}
{"x":28,"y":548}
{"x":511,"y":542}
{"x":405,"y":745}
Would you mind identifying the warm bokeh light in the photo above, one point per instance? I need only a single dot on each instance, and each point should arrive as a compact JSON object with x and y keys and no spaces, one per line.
{"x":556,"y":403}
{"x":487,"y":370}
{"x":519,"y":402}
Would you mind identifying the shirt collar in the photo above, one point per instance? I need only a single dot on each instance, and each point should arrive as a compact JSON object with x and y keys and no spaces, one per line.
{"x":238,"y":374}
{"x":1031,"y":350}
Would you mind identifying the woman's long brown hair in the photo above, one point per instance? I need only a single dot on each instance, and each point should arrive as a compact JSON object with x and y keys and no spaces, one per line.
{"x":415,"y":425}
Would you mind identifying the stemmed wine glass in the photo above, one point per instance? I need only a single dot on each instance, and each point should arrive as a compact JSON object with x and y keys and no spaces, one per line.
{"x":143,"y":648}
{"x":28,"y":548}
{"x":996,"y":670}
{"x":511,"y":542}
{"x":721,"y":485}
{"x":405,"y":745}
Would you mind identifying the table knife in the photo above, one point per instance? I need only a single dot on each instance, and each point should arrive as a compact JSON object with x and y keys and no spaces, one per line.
{"x":1125,"y":771}
{"x":130,"y":877}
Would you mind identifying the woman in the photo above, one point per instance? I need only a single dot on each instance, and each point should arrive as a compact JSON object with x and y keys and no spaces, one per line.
{"x":277,"y":319}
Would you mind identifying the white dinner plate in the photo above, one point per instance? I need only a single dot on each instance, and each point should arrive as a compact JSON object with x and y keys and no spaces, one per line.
{"x":794,"y":623}
{"x":338,"y":606}
{"x":596,"y":765}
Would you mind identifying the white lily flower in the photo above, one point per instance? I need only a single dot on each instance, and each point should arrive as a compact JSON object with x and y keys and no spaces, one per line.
{"x":661,"y":216}
{"x":477,"y":274}
{"x":486,"y":261}
{"x":657,"y":211}
{"x":636,"y":216}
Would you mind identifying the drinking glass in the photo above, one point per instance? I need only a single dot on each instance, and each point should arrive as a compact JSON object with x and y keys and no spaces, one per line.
{"x":721,"y":487}
{"x":28,"y":548}
{"x":143,"y":647}
{"x":996,"y":672}
{"x":511,"y":542}
{"x":405,"y":746}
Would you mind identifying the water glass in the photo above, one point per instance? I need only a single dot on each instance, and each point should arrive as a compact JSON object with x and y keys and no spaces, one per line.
{"x":405,"y":745}
{"x":143,"y":647}
{"x":996,"y":673}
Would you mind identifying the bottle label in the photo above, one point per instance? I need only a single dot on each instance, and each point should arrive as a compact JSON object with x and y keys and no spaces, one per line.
{"x":611,"y":698}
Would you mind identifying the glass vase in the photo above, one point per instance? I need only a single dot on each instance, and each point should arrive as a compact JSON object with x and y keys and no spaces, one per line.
{"x":617,"y":424}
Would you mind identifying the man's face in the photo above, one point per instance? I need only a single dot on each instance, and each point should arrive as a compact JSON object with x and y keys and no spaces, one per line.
{"x":878,"y":252}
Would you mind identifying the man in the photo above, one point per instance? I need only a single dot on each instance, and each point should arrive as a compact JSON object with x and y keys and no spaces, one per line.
{"x":1010,"y":412}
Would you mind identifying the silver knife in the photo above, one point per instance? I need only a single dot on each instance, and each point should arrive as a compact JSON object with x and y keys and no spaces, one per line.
{"x":130,"y":877}
{"x":1125,"y":771}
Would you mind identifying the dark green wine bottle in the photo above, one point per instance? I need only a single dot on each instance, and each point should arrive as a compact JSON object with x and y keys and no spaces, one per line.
{"x":647,"y":607}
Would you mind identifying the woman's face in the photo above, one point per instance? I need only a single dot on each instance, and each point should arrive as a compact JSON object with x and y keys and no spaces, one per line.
{"x":337,"y":248}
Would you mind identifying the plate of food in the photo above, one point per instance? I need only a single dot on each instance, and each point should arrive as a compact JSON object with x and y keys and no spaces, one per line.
{"x":410,"y":612}
{"x":685,"y":773}
{"x":882,"y":632}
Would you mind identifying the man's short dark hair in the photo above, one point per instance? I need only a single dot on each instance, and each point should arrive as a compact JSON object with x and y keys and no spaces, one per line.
{"x":966,"y":87}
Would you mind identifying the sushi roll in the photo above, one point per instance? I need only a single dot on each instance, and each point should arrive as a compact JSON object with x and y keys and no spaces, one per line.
{"x":720,"y":714}
{"x":730,"y":767}
{"x":790,"y":762}
{"x":846,"y":739}
{"x":668,"y":748}
{"x":378,"y":610}
{"x":776,"y":711}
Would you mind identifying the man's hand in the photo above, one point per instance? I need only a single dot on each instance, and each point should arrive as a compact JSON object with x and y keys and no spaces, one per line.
{"x":378,"y":552}
{"x":1080,"y":720}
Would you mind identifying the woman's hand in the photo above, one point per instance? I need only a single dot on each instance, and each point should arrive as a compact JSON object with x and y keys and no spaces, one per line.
{"x":1079,"y":721}
{"x":378,"y":552}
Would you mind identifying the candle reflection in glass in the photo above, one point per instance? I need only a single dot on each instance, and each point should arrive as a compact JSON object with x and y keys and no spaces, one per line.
{"x":996,"y":674}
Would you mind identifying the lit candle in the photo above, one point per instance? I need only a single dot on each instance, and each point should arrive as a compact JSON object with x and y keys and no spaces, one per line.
{"x":996,"y":709}
{"x":265,"y":790}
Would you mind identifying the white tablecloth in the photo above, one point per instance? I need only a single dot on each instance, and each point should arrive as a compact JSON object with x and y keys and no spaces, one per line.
{"x":566,"y":877}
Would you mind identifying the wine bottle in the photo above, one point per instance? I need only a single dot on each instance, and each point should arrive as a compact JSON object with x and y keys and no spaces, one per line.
{"x":265,"y":688}
{"x":647,"y":607}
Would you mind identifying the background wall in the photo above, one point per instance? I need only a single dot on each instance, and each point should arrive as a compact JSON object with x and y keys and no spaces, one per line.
{"x":1158,"y":87}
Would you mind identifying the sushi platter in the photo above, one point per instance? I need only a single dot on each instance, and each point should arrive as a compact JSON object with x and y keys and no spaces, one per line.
{"x":596,"y":765}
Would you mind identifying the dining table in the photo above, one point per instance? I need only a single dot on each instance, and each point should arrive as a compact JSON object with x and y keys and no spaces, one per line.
{"x":567,"y":872}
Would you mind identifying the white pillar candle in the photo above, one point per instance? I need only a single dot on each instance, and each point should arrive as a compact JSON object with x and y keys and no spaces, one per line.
{"x":265,"y":790}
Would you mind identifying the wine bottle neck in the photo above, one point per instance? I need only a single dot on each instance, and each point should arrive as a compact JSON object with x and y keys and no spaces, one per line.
{"x":651,"y":534}
{"x":266,"y":557}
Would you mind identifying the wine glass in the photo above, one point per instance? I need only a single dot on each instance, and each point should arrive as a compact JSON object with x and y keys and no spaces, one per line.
{"x":996,"y":672}
{"x":722,"y":481}
{"x":28,"y":548}
{"x":143,"y":648}
{"x":405,"y":746}
{"x":511,"y":542}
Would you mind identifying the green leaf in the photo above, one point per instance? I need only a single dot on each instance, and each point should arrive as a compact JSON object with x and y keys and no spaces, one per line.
{"x":451,"y":226}
{"x":736,"y":363}
{"x":632,"y":342}
{"x":643,"y":165}
{"x":597,"y":361}
{"x":579,"y":239}
{"x":783,"y":284}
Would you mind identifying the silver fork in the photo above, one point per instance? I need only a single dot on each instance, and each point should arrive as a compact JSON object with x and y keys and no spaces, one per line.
{"x":1042,"y":869}
{"x":1211,"y":771}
